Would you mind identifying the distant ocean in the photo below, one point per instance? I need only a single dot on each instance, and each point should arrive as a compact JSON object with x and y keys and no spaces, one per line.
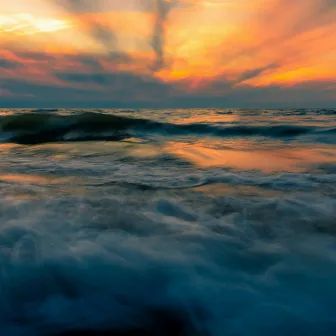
{"x":206,"y":222}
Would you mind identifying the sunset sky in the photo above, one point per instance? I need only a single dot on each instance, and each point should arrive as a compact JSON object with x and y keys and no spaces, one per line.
{"x":173,"y":53}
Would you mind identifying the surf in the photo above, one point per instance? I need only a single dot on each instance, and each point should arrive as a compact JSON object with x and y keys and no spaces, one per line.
{"x":36,"y":127}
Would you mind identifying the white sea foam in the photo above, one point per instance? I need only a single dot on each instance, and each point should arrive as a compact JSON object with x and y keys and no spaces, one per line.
{"x":232,"y":267}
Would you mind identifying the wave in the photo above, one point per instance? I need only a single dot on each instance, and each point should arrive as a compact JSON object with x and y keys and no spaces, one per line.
{"x":114,"y":266}
{"x":44,"y":110}
{"x":35,"y":128}
{"x":315,"y":111}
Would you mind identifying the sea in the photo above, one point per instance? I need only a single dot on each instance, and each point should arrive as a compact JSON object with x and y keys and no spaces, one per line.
{"x":167,"y":222}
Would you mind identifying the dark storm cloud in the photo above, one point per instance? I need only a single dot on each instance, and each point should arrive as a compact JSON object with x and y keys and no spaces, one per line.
{"x":27,"y":93}
{"x":94,"y":63}
{"x":33,"y":56}
{"x":91,"y":78}
{"x":7,"y":64}
{"x":117,"y":89}
{"x":89,"y":62}
{"x":129,"y":90}
{"x":122,"y":86}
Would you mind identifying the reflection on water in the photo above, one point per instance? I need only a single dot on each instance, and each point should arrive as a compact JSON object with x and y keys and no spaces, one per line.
{"x":182,"y":214}
{"x":5,"y":148}
{"x":266,"y":160}
{"x":238,"y":154}
{"x":210,"y":119}
{"x":33,"y":179}
{"x":224,"y":189}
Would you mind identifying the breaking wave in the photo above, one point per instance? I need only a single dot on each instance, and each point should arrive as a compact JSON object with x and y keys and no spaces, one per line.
{"x":34,"y":128}
{"x":170,"y":236}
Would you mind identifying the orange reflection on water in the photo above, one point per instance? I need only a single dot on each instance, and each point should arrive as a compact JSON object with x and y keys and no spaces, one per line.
{"x":5,"y":148}
{"x":266,"y":160}
{"x":32,"y":179}
{"x":203,"y":118}
{"x":221,"y":189}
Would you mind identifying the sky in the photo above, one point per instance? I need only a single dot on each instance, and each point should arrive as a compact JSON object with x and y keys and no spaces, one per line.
{"x":168,"y":53}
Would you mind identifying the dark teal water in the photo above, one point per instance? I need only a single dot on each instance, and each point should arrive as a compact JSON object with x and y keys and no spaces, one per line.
{"x":167,"y":222}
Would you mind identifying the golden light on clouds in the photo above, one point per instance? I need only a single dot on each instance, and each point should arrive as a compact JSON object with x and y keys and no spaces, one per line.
{"x":247,"y":43}
{"x":27,"y":24}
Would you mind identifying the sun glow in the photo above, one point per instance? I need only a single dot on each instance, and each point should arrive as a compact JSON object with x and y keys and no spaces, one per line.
{"x":27,"y":24}
{"x":192,"y":46}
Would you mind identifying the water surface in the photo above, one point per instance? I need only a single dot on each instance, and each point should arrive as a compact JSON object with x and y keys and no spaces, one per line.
{"x":210,"y":221}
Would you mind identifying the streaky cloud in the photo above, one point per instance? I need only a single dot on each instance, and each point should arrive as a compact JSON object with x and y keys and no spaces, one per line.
{"x":102,"y":34}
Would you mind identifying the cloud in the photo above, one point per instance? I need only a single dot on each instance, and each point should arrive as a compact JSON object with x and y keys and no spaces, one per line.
{"x":107,"y":38}
{"x":198,"y":52}
{"x":97,"y":30}
{"x":124,"y":87}
{"x":116,"y":89}
{"x":162,"y":8}
{"x":253,"y":73}
{"x":97,"y":89}
{"x":7,"y":64}
{"x":96,"y":6}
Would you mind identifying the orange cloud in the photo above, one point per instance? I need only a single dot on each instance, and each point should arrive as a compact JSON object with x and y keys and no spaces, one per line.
{"x":246,"y":43}
{"x":253,"y":42}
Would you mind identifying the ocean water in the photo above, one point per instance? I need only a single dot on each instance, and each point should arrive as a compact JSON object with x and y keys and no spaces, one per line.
{"x":204,"y":222}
